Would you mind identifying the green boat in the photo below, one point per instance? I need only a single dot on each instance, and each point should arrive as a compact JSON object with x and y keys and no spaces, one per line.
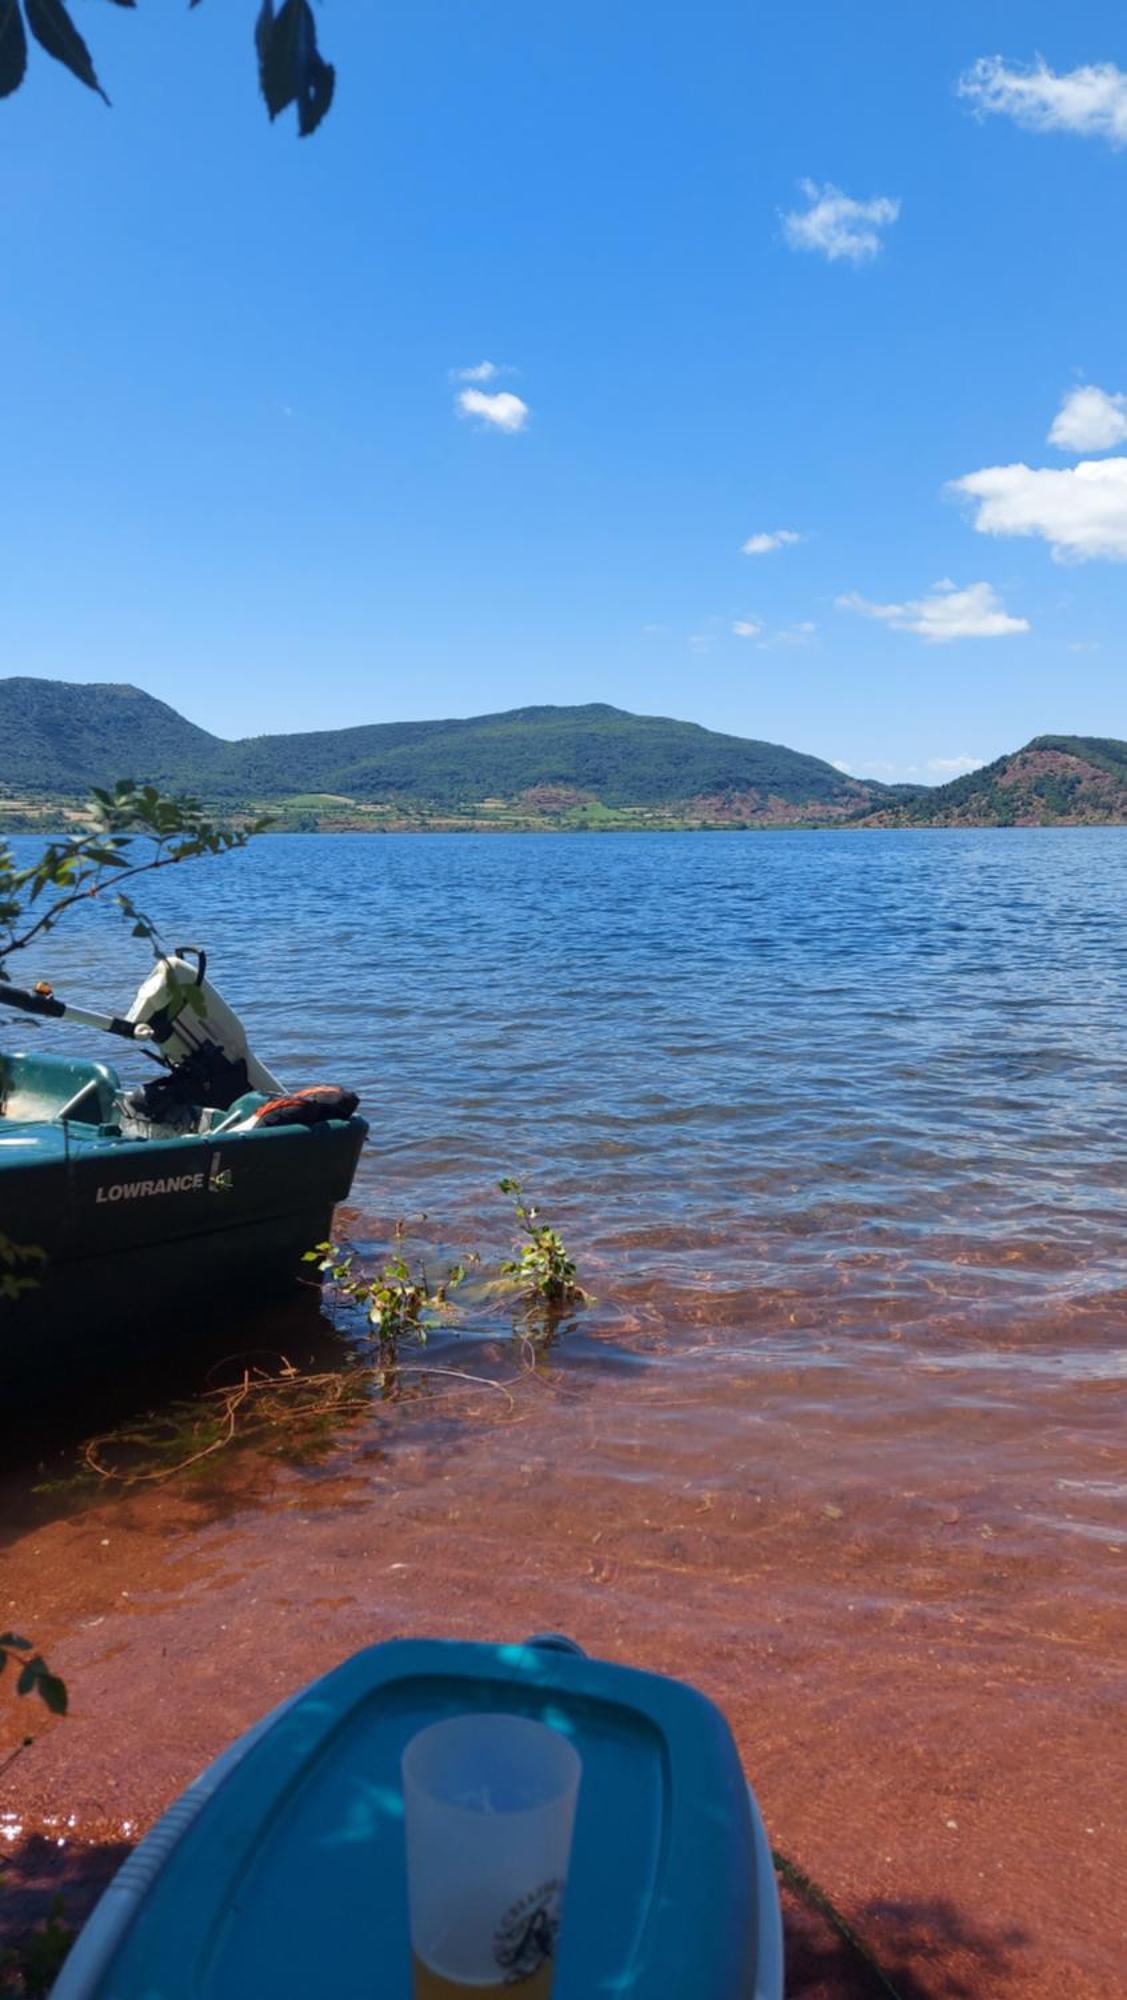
{"x":120,"y":1205}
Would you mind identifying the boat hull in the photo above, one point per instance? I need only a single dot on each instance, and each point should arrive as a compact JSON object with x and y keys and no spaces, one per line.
{"x":144,"y":1230}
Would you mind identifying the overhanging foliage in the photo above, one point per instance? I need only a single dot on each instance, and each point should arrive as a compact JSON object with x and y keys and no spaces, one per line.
{"x":291,"y":69}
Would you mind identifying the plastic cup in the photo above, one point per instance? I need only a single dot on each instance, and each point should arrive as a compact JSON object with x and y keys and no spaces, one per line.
{"x":489,"y":1805}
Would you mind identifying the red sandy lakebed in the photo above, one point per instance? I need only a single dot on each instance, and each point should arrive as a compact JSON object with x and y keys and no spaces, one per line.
{"x":834,"y":1126}
{"x":895,"y":1568}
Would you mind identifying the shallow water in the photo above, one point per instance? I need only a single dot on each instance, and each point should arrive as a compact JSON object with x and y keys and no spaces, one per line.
{"x":834,"y":1124}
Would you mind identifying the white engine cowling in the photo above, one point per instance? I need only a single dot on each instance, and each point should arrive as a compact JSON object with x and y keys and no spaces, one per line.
{"x":203,"y":1017}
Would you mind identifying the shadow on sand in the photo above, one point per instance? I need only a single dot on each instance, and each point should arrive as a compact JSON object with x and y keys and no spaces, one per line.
{"x":927,"y":1950}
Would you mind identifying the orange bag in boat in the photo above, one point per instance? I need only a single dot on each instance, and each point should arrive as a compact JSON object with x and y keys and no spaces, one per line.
{"x":312,"y":1106}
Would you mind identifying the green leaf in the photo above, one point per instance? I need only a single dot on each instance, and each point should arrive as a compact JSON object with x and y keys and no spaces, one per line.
{"x":18,"y":1645}
{"x":13,"y":47}
{"x":55,"y":31}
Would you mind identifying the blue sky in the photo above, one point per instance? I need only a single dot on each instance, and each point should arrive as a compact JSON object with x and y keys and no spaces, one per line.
{"x":235,"y":470}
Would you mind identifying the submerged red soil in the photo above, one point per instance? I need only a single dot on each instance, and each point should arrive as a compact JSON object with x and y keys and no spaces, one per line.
{"x":899,"y":1577}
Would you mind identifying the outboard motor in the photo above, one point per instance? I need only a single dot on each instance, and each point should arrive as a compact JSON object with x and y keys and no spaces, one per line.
{"x":208,"y":1065}
{"x":199,"y":1037}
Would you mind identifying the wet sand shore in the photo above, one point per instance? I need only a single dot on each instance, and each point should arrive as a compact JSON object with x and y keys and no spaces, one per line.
{"x":897,"y":1572}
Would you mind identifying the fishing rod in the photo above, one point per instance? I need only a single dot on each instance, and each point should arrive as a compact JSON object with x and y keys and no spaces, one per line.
{"x":41,"y":1000}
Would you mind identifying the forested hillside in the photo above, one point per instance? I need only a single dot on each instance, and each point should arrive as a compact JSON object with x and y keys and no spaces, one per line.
{"x":1053,"y":781}
{"x":57,"y":739}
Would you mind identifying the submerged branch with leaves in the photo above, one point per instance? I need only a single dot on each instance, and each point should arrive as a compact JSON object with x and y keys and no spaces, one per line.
{"x":401,"y":1306}
{"x":542,"y":1267}
{"x":286,"y":1411}
{"x":18,"y":1264}
{"x":398,"y":1300}
{"x":291,"y":69}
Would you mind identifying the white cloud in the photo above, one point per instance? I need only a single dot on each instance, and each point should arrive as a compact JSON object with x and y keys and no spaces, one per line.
{"x":502,"y":412}
{"x":763,"y":544}
{"x":1081,"y":511}
{"x":837,"y":225}
{"x":837,"y":765}
{"x":953,"y":767}
{"x":879,"y":767}
{"x":485,"y":371}
{"x":790,"y":635}
{"x":946,"y":613}
{"x":1089,"y":419}
{"x":1091,"y":100}
{"x":746,"y":628}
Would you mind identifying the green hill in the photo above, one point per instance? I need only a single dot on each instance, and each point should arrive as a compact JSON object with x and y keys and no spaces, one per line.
{"x":59,"y":737}
{"x":546,"y":766}
{"x":1053,"y":781}
{"x":56,"y":740}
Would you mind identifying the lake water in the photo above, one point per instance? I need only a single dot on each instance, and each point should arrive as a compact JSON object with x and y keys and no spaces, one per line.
{"x":887,"y":1074}
{"x":835,"y":1126}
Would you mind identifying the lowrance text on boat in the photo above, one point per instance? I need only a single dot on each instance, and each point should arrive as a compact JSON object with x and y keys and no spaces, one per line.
{"x":188,"y":1183}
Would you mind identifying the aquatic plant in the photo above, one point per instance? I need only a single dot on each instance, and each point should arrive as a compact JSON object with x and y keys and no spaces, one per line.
{"x":542,"y":1267}
{"x":284,"y":1411}
{"x":398,"y":1300}
{"x":279,"y":1408}
{"x":15,"y":1258}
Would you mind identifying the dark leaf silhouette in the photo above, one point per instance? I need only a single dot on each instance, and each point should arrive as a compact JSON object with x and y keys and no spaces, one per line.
{"x":51,"y":1690}
{"x":316,"y":95}
{"x":13,"y":47}
{"x":35,"y":1676}
{"x":55,"y":31}
{"x":290,"y":67}
{"x":263,"y":32}
{"x":29,"y":1675}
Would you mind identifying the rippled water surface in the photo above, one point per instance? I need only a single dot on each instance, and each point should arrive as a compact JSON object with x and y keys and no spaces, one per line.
{"x":886,"y":1073}
{"x":835,"y":1125}
{"x":849,"y":1105}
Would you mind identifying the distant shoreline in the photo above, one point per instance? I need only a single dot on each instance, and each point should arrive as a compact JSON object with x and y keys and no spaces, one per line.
{"x":59,"y":820}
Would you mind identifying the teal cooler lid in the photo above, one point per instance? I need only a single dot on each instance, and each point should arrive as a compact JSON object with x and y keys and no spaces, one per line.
{"x":290,"y":1878}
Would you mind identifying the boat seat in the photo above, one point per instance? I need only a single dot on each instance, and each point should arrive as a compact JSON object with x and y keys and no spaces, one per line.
{"x":37,"y":1088}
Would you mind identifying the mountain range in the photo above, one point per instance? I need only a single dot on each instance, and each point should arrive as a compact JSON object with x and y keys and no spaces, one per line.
{"x":586,"y":765}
